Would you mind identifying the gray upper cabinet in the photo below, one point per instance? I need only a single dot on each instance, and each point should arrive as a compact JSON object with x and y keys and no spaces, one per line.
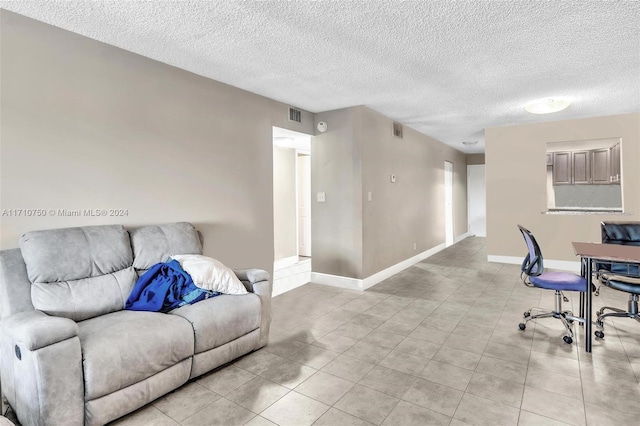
{"x":601,"y":166}
{"x":581,"y":167}
{"x":562,"y":174}
{"x":588,"y":167}
{"x":614,"y":154}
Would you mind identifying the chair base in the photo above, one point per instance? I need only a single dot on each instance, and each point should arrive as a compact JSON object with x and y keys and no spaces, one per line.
{"x":632,"y":312}
{"x":567,"y":317}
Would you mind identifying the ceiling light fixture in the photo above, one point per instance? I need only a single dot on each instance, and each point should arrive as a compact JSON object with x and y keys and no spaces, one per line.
{"x":546,"y":106}
{"x":469,"y":143}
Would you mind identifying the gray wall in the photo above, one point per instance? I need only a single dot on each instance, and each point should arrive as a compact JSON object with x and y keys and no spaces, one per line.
{"x":356,"y":238}
{"x":411,"y":210}
{"x":86,"y":125}
{"x":336,"y":228}
{"x":284,"y":202}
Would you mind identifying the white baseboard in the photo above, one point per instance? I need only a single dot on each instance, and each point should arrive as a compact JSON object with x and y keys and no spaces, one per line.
{"x":563,"y":265}
{"x":337,"y":281}
{"x":370,"y":281}
{"x":284,"y":262}
{"x":462,"y":237}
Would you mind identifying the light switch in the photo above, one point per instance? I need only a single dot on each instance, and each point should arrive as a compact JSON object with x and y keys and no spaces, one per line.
{"x":321,"y":197}
{"x":393,"y":178}
{"x":369,"y":196}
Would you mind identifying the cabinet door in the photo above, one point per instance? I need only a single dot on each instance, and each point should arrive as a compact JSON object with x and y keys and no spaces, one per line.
{"x":561,"y":168}
{"x":581,"y":167}
{"x":600,"y":166}
{"x":615,"y":163}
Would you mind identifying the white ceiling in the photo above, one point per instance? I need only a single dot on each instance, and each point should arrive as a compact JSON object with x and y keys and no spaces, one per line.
{"x":447,"y":69}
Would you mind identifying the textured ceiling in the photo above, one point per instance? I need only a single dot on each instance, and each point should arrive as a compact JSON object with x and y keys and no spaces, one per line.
{"x":447,"y":69}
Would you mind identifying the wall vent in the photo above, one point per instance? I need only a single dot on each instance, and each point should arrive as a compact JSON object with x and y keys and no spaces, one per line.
{"x":397,"y":129}
{"x":295,"y":115}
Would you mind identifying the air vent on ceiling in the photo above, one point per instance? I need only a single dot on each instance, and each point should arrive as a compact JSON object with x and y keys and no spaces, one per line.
{"x":397,"y":129}
{"x":295,"y":115}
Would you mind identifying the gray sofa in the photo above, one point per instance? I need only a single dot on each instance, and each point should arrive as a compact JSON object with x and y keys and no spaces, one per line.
{"x":71,"y":355}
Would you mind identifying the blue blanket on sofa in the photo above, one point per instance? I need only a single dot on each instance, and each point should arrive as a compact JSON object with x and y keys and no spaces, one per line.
{"x":165,"y":286}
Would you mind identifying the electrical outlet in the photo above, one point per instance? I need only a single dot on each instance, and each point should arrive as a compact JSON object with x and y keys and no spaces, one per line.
{"x":321,"y":197}
{"x":415,"y":246}
{"x":393,"y":178}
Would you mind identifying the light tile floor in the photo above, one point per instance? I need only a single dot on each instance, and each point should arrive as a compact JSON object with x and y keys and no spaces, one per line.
{"x":437,"y":344}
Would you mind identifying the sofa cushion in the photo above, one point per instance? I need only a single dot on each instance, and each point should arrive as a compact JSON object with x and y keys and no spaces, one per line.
{"x":67,"y":254}
{"x":221,"y":319}
{"x":156,"y":243}
{"x":85,"y":298}
{"x":125,"y":347}
{"x":79,"y":273}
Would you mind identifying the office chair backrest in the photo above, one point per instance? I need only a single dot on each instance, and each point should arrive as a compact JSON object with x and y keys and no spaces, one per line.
{"x":621,"y":233}
{"x":533,"y":263}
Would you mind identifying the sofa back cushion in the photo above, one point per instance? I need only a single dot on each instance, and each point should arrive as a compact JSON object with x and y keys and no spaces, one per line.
{"x":156,"y":243}
{"x":79,"y":273}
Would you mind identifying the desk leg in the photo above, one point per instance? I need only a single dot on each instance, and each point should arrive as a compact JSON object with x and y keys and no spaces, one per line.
{"x":587,"y":319}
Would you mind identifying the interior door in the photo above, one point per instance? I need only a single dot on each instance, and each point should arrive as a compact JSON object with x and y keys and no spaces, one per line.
{"x":477,"y":210}
{"x":448,"y":203}
{"x":304,"y":205}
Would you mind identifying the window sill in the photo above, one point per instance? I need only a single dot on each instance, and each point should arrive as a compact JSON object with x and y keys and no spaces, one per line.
{"x":582,"y":211}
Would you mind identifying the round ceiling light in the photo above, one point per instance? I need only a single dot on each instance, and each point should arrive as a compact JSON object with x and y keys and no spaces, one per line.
{"x":547,"y":106}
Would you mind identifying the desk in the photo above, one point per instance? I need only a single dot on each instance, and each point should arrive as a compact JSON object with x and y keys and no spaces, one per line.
{"x":594,"y":252}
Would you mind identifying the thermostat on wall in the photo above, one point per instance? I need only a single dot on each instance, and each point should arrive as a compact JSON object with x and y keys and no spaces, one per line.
{"x":322,"y":126}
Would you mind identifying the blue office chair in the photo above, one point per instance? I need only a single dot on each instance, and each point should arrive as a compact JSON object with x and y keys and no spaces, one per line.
{"x":627,"y":284}
{"x":623,"y":277}
{"x":533,"y":275}
{"x":622,"y":233}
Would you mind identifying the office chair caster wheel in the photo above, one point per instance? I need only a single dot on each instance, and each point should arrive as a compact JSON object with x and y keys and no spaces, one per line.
{"x":599,"y":334}
{"x":600,"y":312}
{"x":522,"y":326}
{"x":565,"y":299}
{"x":527,"y":314}
{"x":597,"y":292}
{"x":568,"y":340}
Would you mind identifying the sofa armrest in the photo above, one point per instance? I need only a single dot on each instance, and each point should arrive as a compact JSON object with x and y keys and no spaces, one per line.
{"x":257,"y":281}
{"x":41,"y":368}
{"x":35,"y":329}
{"x":251,"y":276}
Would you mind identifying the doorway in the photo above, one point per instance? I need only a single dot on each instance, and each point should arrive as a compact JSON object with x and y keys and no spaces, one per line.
{"x":291,"y":210}
{"x":476,"y":192}
{"x":448,"y":203}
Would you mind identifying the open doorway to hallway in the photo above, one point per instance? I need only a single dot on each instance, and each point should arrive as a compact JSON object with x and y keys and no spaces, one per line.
{"x":291,"y":209}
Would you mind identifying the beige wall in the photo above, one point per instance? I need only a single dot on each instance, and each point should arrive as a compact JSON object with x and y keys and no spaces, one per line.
{"x":475,"y":159}
{"x":86,"y":125}
{"x":516,"y":184}
{"x":356,"y":238}
{"x":284,"y":202}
